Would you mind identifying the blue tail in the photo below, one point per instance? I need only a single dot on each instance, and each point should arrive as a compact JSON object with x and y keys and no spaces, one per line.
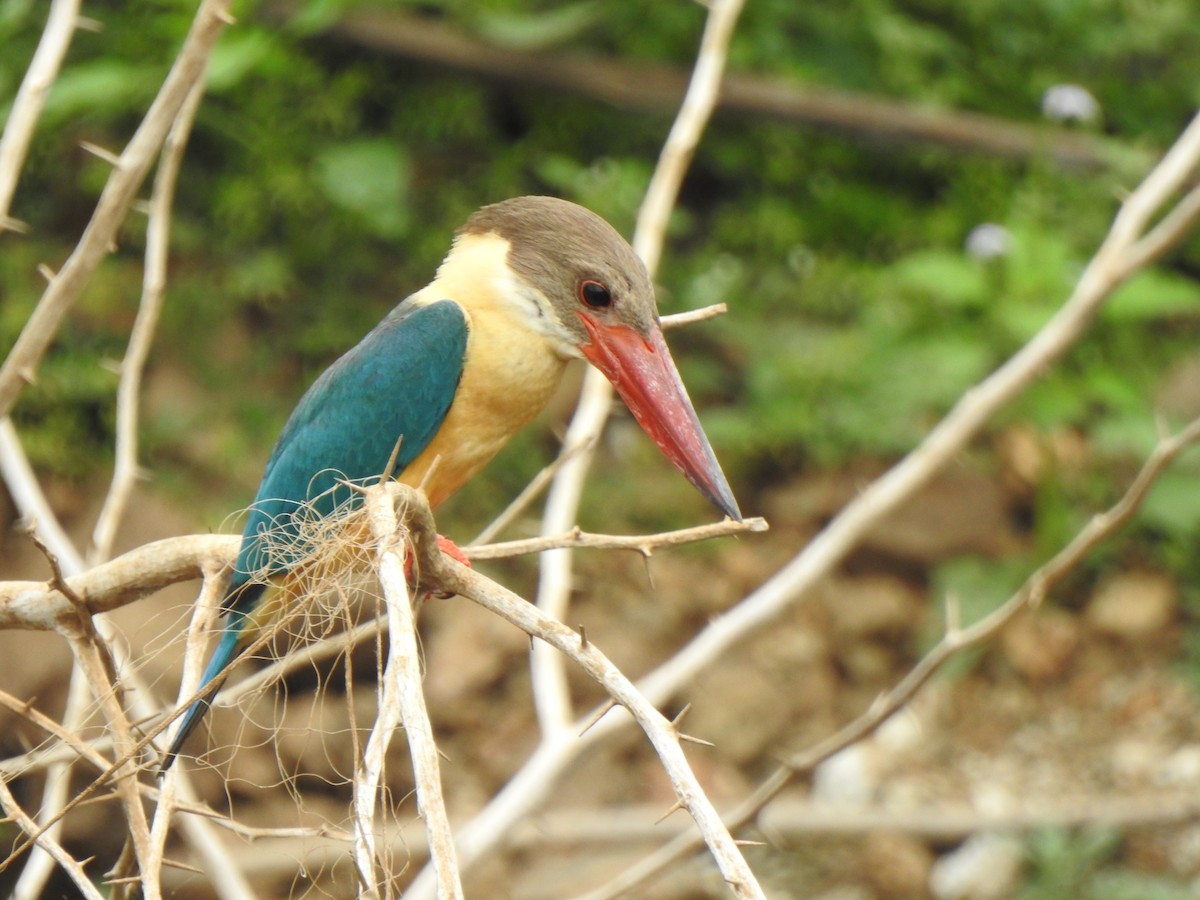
{"x":226,"y":652}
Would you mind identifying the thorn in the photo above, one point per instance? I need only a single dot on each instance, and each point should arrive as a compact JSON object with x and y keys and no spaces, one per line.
{"x":87,"y":23}
{"x":679,"y":716}
{"x":599,"y":714}
{"x":953,"y":614}
{"x":100,"y":153}
{"x":583,"y":641}
{"x":46,"y":272}
{"x":649,"y":571}
{"x":353,"y":485}
{"x":391,"y":463}
{"x":1161,"y":426}
{"x":176,"y":864}
{"x":748,"y":843}
{"x":674,"y":809}
{"x":27,"y":375}
{"x":112,"y":366}
{"x":428,"y":476}
{"x":8,"y":223}
{"x":695,"y":740}
{"x":225,"y":16}
{"x":141,"y":206}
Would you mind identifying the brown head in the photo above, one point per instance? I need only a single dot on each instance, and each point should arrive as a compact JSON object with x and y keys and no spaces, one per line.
{"x":588,"y":287}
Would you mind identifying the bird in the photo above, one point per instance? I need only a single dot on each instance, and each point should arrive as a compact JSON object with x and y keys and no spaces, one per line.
{"x":448,"y":377}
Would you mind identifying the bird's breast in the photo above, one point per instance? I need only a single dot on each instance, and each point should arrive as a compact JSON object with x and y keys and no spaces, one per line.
{"x":509,"y":374}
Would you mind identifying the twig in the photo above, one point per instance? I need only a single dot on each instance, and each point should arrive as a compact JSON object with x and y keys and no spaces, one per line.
{"x":31,"y":97}
{"x":401,"y":701}
{"x":131,"y":576}
{"x":69,"y":865}
{"x":52,"y":606}
{"x":114,"y":203}
{"x":48,"y":534}
{"x":27,"y":495}
{"x":154,"y":279}
{"x":643,"y":544}
{"x":522,"y":501}
{"x":1107,"y":270}
{"x":658,"y":729}
{"x":630,"y":84}
{"x":1098,"y":529}
{"x":551,"y":696}
{"x":224,"y":869}
{"x":91,"y":657}
{"x":151,"y":567}
{"x":692,"y":316}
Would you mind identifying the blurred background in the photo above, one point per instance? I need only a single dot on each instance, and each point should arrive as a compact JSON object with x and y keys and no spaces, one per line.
{"x":893,"y":196}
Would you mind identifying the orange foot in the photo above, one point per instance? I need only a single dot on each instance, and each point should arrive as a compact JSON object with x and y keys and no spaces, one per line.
{"x":452,"y":550}
{"x":448,"y":547}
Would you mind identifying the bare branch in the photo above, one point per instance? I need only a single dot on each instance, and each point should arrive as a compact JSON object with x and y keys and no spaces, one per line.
{"x":528,"y":494}
{"x":129,"y":577}
{"x":154,"y":280}
{"x":657,"y":728}
{"x":643,"y":544}
{"x":691,"y":316}
{"x":1098,"y":529}
{"x":114,"y":203}
{"x":551,"y":697}
{"x":47,"y":842}
{"x":31,"y":97}
{"x":631,"y":84}
{"x":401,"y":701}
{"x":1109,"y":268}
{"x":22,"y":484}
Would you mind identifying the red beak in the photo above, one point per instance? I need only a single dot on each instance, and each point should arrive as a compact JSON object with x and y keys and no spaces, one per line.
{"x":642,"y":371}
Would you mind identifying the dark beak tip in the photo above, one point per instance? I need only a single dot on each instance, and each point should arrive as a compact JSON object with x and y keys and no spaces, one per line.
{"x":726,"y":504}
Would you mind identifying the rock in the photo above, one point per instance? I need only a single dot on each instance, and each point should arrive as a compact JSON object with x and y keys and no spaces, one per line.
{"x":985,"y":866}
{"x":872,"y":606}
{"x":849,"y":777}
{"x":897,"y":864}
{"x":1133,"y":606}
{"x":1040,"y":645}
{"x":959,"y":512}
{"x":1182,"y":768}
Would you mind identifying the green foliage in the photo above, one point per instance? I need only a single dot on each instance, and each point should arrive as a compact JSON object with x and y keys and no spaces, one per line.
{"x":1082,"y":864}
{"x":324,"y":179}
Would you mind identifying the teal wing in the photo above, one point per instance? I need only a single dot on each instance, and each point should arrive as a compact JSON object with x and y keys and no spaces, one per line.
{"x":397,"y":384}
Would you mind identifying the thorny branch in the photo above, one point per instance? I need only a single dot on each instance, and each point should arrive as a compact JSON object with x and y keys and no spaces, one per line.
{"x":119,"y":192}
{"x":956,"y":639}
{"x":1136,"y":240}
{"x":1132,"y":242}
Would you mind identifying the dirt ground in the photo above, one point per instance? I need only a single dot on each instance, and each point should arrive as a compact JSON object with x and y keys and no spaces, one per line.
{"x":1063,"y":759}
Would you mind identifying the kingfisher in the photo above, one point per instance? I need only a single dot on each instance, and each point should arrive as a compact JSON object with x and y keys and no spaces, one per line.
{"x":447,"y":378}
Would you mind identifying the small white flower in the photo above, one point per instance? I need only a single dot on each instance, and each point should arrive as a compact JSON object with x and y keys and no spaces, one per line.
{"x":988,"y":241}
{"x":1070,"y":103}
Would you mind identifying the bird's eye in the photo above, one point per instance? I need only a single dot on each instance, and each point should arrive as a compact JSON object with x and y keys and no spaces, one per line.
{"x":595,"y":295}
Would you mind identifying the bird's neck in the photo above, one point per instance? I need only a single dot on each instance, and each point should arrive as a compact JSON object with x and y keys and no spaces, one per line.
{"x":514,"y":361}
{"x":476,"y":275}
